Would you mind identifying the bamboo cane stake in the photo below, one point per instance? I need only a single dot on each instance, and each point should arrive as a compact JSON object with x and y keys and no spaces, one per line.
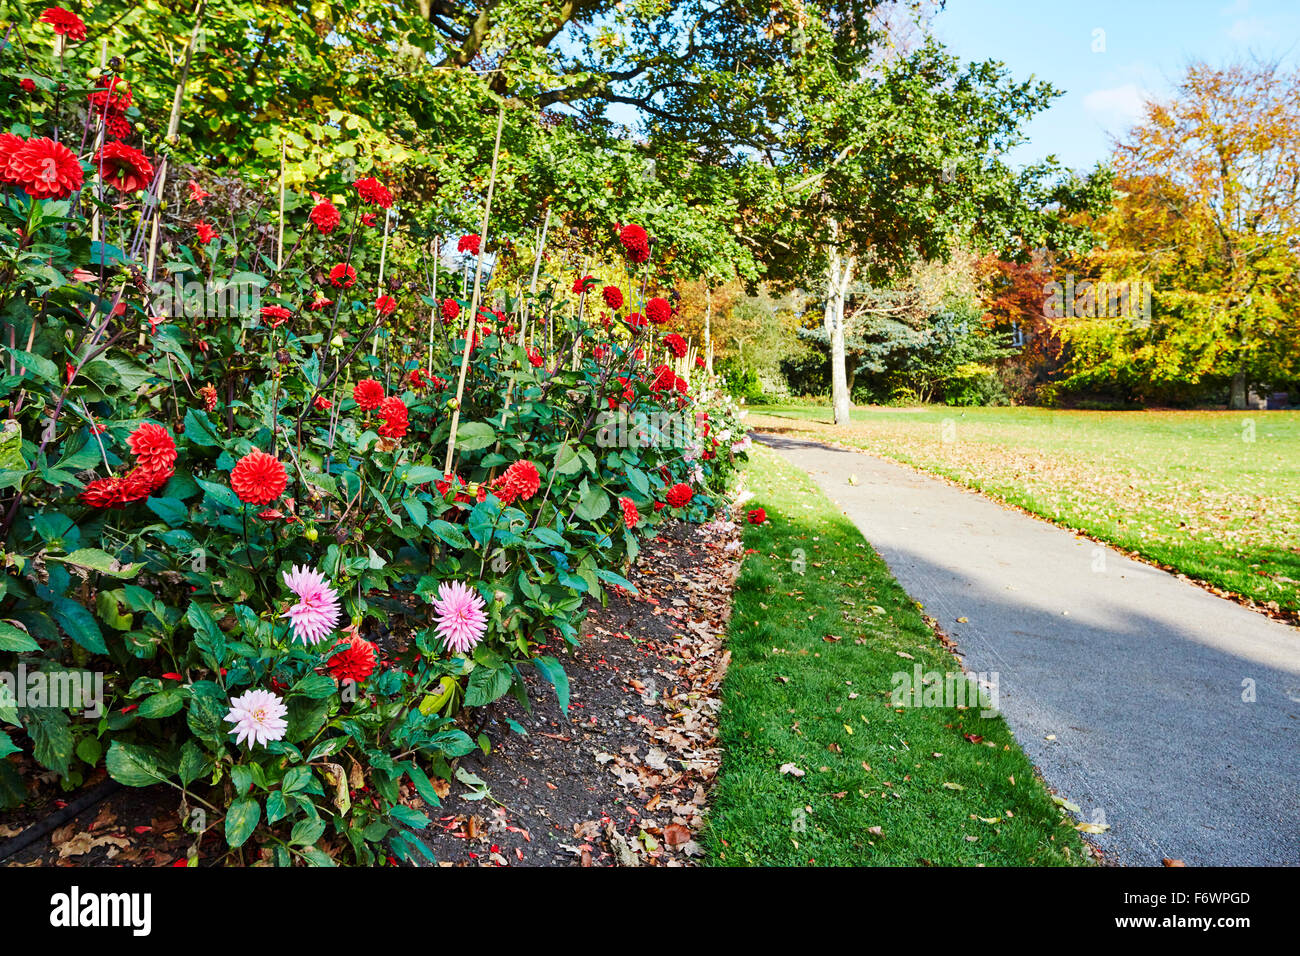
{"x":173,"y":127}
{"x":379,"y":287}
{"x":473,"y":309}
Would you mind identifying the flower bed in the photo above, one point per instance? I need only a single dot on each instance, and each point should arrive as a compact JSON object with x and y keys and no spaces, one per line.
{"x":293,"y":536}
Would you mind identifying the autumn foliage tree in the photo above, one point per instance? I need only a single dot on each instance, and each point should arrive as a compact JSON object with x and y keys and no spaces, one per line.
{"x":1208,"y":211}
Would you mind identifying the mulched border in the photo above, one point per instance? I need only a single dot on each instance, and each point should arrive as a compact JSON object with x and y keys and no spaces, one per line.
{"x":624,"y":779}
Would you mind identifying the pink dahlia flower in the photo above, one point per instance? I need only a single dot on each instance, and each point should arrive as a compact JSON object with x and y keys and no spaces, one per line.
{"x":258,"y":717}
{"x":317,"y":610}
{"x":462,"y":621}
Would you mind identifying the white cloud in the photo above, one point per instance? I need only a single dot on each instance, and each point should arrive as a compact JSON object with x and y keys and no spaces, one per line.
{"x":1119,"y":106}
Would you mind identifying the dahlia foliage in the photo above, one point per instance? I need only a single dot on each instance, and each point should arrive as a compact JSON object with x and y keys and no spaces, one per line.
{"x":228,"y":482}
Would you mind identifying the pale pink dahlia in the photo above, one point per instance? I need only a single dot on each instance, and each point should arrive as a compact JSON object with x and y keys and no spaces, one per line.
{"x":258,"y":717}
{"x":317,"y":610}
{"x":461,"y":618}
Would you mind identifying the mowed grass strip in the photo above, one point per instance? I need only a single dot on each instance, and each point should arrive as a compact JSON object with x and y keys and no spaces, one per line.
{"x":1213,"y":494}
{"x":880,"y":785}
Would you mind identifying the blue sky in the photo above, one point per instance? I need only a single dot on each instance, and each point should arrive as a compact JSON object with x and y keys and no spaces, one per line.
{"x":1145,"y":45}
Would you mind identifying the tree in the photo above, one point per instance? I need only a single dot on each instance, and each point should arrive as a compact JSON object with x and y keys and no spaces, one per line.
{"x":881,"y":167}
{"x":1209,"y":213}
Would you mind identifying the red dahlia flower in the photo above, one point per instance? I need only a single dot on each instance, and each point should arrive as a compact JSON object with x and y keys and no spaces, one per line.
{"x":153,"y":447}
{"x":343,"y":276}
{"x":324,"y":216}
{"x":104,"y":493}
{"x":319,"y":301}
{"x":679,"y":495}
{"x":197,"y":193}
{"x":679,"y":383}
{"x":117,"y":127}
{"x":356,"y":661}
{"x":613,"y":297}
{"x":125,"y":167}
{"x":636,"y":320}
{"x":450,"y":311}
{"x":417,"y":380}
{"x":258,"y":478}
{"x":630,"y":515}
{"x":699,"y":361}
{"x":521,"y":480}
{"x":580,"y":285}
{"x":373,"y":191}
{"x":42,"y":167}
{"x":28,"y":85}
{"x":368,"y":394}
{"x":635,"y":243}
{"x":206,"y":233}
{"x":469,"y":244}
{"x":663,"y":378}
{"x":757,"y":516}
{"x":658,"y":311}
{"x":535,"y":358}
{"x":385,"y":305}
{"x":393,"y":412}
{"x":65,"y":23}
{"x":112,"y":95}
{"x":275,"y":315}
{"x":321,"y":403}
{"x":676,"y":344}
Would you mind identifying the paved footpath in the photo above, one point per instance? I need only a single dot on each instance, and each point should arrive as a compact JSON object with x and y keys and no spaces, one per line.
{"x":1124,"y":684}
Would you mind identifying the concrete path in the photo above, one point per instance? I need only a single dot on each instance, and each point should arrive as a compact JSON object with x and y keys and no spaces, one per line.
{"x":1124,"y":684}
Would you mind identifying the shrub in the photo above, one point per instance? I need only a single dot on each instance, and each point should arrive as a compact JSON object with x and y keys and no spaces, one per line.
{"x":295,"y":525}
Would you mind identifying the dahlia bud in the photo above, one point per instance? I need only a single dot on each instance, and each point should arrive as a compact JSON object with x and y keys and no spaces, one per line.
{"x":337,"y":341}
{"x":452,"y":403}
{"x":282,"y":356}
{"x":500,"y":597}
{"x":311,"y":534}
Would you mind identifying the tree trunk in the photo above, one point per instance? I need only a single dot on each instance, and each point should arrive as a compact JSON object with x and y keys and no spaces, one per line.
{"x":1237,"y":398}
{"x":839,"y":275}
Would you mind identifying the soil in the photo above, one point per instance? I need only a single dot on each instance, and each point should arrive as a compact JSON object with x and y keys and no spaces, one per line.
{"x":624,"y":779}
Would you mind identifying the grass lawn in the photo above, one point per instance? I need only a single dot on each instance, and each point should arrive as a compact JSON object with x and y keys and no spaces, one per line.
{"x":1215,"y":495}
{"x":880,"y":785}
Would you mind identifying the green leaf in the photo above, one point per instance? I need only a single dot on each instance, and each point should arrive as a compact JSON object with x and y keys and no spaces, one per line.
{"x":172,"y":510}
{"x":41,"y":367}
{"x":241,"y":820}
{"x":97,"y":560}
{"x":593,"y":505}
{"x":487,"y":684}
{"x":163,"y":704}
{"x":307,"y":832}
{"x":220,"y":494}
{"x":15,"y":639}
{"x":450,"y":533}
{"x":79,"y":624}
{"x":567,"y":461}
{"x":7,"y":746}
{"x":554,"y":674}
{"x":422,"y":474}
{"x":133,"y":765}
{"x":472,"y":436}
